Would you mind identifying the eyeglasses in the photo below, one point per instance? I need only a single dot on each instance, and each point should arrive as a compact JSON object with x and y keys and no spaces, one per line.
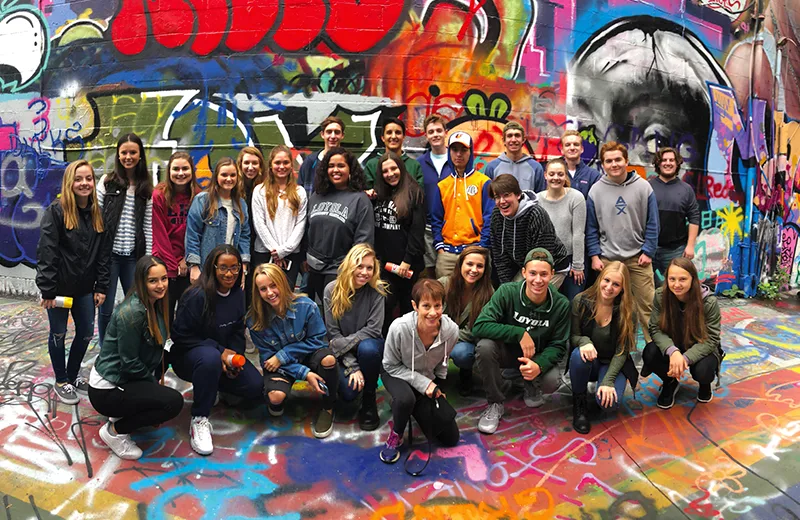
{"x":225,"y":269}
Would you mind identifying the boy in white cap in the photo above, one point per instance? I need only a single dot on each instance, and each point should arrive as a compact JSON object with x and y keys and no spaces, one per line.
{"x":462,"y":207}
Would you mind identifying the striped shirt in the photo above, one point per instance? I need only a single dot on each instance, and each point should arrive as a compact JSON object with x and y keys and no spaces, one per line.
{"x":125,"y":239}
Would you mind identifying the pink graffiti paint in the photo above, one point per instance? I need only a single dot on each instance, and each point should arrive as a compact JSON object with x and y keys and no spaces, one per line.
{"x":590,"y":480}
{"x":476,"y":469}
{"x":571,"y":500}
{"x":8,"y":137}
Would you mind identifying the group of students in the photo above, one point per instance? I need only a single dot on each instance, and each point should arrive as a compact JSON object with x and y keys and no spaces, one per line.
{"x":370,"y":244}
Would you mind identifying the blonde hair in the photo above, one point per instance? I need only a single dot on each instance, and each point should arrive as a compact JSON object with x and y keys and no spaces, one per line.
{"x":344,"y":289}
{"x":261,"y":312}
{"x":627,"y":322}
{"x":68,"y":203}
{"x":271,"y":185}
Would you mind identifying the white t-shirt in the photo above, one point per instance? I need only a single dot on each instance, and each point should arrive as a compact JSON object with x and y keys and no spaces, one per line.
{"x":438,"y":161}
{"x":228,"y":205}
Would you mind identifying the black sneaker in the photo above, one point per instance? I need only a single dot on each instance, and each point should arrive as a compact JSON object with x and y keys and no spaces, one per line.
{"x":323,"y":425}
{"x":465,"y":382}
{"x":704,"y":394}
{"x":666,"y":398}
{"x":368,"y":419}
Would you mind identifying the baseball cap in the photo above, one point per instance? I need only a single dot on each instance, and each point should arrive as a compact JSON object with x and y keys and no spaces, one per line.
{"x":539,"y":251}
{"x":460,"y":137}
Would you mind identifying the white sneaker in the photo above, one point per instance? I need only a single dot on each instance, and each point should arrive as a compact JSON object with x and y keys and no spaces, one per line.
{"x":200,"y":433}
{"x":121,"y":444}
{"x":490,"y":418}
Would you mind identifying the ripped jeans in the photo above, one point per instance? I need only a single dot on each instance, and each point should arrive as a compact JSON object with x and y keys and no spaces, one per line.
{"x":83,"y":316}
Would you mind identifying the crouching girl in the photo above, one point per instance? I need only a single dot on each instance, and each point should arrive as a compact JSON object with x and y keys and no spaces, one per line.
{"x":288,"y":330}
{"x":416,"y":352}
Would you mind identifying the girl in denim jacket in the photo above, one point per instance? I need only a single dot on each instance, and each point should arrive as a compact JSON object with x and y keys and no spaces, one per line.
{"x":288,"y":331}
{"x":218,"y":216}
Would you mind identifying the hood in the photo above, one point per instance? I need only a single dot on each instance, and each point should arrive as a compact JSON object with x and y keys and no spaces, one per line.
{"x":527,"y":201}
{"x":630,"y":179}
{"x":506,"y":159}
{"x":705,"y":291}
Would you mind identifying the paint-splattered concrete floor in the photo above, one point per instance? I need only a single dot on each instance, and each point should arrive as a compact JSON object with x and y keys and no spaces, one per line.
{"x":736,"y":457}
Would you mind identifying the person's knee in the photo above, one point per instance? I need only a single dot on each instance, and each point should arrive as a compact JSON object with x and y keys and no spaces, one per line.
{"x":487,"y":349}
{"x":328,"y":361}
{"x":463,"y":355}
{"x":550,"y":381}
{"x":576,"y":361}
{"x":276,"y":397}
{"x":650,"y":353}
{"x":174,"y":403}
{"x":370,"y":349}
{"x":208,"y":364}
{"x":704,"y":370}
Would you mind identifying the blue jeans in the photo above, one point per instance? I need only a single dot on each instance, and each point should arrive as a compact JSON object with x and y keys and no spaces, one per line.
{"x":122,"y":268}
{"x":660,"y":263}
{"x":83,"y":315}
{"x":463,"y":355}
{"x":370,"y":356}
{"x":581,"y":372}
{"x":570,"y":289}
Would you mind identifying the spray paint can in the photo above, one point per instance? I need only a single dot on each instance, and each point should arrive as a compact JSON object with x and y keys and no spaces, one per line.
{"x":63,"y":302}
{"x":394,"y":268}
{"x":235,"y":360}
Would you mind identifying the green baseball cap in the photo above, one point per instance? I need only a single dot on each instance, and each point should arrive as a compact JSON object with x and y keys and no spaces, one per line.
{"x":539,"y":252}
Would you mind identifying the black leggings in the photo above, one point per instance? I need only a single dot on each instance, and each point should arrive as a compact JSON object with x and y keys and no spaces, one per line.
{"x":399,"y":296}
{"x":316,"y":284}
{"x":282,"y":383}
{"x":176,"y":288}
{"x":406,"y":401}
{"x":704,"y":371}
{"x":138,"y":404}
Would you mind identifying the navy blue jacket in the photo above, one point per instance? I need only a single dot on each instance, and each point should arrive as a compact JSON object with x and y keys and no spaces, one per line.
{"x":584,"y":179}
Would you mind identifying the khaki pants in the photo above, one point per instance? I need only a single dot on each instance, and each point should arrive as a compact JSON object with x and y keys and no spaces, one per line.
{"x":445,"y":263}
{"x":643,"y":288}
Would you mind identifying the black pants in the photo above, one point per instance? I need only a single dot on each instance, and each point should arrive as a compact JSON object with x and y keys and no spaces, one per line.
{"x":282,"y":383}
{"x":257,"y":259}
{"x":177,"y":286}
{"x":138,"y":403}
{"x":316,"y":284}
{"x":704,"y":371}
{"x":399,"y":296}
{"x":406,"y":401}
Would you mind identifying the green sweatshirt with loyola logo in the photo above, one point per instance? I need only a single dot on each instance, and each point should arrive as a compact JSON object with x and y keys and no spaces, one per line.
{"x":510,"y":313}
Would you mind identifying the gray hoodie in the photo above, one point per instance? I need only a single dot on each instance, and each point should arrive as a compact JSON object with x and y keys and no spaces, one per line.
{"x":405,"y":357}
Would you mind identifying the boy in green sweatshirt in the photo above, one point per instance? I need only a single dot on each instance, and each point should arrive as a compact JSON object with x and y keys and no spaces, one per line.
{"x":525,"y":325}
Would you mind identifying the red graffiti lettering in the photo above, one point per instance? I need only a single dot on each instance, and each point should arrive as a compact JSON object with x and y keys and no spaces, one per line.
{"x":705,"y":510}
{"x":345,"y":26}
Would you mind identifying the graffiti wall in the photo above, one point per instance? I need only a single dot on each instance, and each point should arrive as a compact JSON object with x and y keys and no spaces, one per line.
{"x":717,"y":79}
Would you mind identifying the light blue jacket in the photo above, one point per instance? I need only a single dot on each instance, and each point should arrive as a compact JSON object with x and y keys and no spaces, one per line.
{"x":203,"y":235}
{"x":291,"y":338}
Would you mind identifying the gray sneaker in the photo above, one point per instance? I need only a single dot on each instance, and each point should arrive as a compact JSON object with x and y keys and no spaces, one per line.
{"x":490,"y":418}
{"x":81,"y":385}
{"x":66,"y":393}
{"x":532,"y":394}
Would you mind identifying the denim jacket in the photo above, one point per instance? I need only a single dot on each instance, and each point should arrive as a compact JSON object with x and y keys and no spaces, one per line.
{"x":291,"y":338}
{"x":203,"y":235}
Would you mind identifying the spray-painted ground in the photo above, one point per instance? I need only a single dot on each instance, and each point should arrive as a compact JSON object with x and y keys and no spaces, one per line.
{"x":736,"y":457}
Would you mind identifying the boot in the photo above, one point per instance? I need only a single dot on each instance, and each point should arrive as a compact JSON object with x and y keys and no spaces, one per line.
{"x":580,"y":414}
{"x":368,"y":418}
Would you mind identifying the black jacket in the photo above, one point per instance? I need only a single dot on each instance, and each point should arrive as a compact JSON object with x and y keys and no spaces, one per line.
{"x":71,"y":262}
{"x":113,"y":203}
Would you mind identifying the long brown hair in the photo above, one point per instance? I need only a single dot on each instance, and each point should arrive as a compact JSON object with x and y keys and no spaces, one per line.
{"x":140,"y":273}
{"x":68,"y":203}
{"x":627,"y":306}
{"x":142,"y":178}
{"x":456,"y":286}
{"x":684,"y":332}
{"x":271,"y":185}
{"x":168,"y":187}
{"x":250,"y":184}
{"x":406,"y":195}
{"x":213,"y":191}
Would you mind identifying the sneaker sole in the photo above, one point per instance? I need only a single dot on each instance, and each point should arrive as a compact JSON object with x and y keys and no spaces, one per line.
{"x":487,"y":431}
{"x":369,"y":427}
{"x":275,"y":413}
{"x":199,"y":451}
{"x":391,"y":461}
{"x":710,"y":398}
{"x":672,"y":402}
{"x":67,"y":400}
{"x":322,"y":435}
{"x":103,"y":434}
{"x":534,"y":404}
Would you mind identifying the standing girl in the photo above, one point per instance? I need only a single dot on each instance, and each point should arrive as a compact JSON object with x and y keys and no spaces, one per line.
{"x":125,"y":195}
{"x":684,"y":326}
{"x":288,"y":330}
{"x":467,"y":291}
{"x":171,"y":201}
{"x":416,"y":354}
{"x":218,"y":216}
{"x":250,"y":163}
{"x":567,"y":210}
{"x":279,"y":216}
{"x":72,"y":261}
{"x":399,"y":231}
{"x":354,"y":311}
{"x":122,"y":382}
{"x":340,"y":216}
